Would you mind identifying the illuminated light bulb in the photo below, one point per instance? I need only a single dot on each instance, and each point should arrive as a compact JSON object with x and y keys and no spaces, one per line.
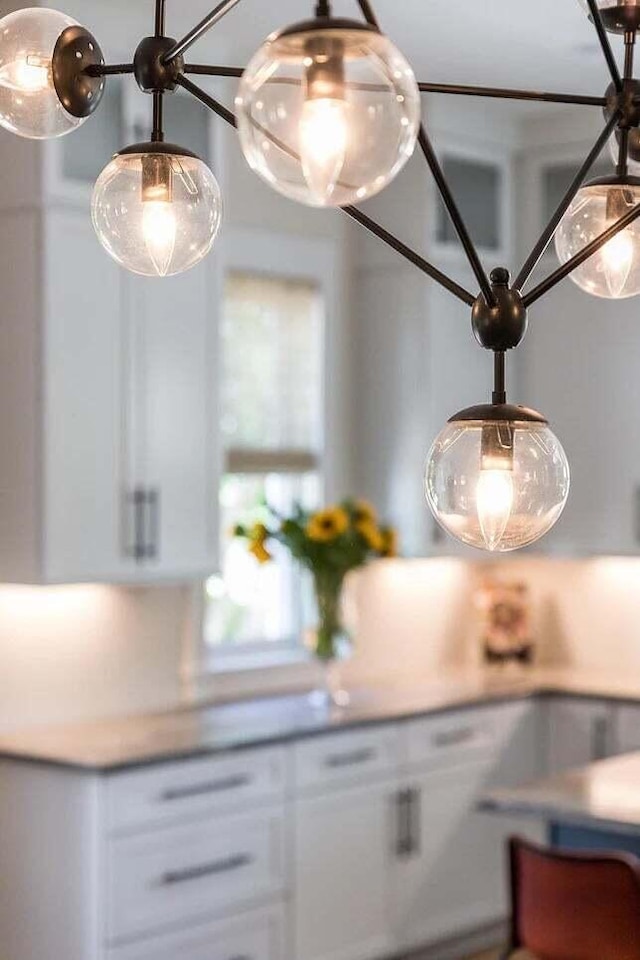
{"x":614,"y":271}
{"x":29,"y":74}
{"x":617,"y":260}
{"x":497,"y":477}
{"x":494,"y":500}
{"x":156,"y":209}
{"x":328,"y":112}
{"x":324,"y":135}
{"x":159,"y":232}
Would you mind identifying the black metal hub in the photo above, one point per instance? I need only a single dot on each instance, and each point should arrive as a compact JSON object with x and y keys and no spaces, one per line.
{"x":74,"y":54}
{"x":500,"y":326}
{"x":623,"y":103}
{"x":152,"y":75}
{"x":623,"y":18}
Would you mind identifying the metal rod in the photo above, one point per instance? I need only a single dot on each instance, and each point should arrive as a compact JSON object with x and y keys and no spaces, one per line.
{"x":502,"y":93}
{"x":605,"y":44}
{"x":382,"y":234}
{"x":108,"y":69}
{"x":352,"y":212}
{"x":201,"y":69}
{"x":200,"y":29}
{"x":566,"y":268}
{"x":208,"y":100}
{"x":499,"y":377}
{"x":157,"y":134}
{"x":549,"y":231}
{"x":622,"y":167}
{"x":160,"y":17}
{"x":443,"y":187}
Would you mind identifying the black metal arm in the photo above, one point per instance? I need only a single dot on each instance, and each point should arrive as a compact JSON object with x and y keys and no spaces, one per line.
{"x":200,"y":29}
{"x":605,"y":44}
{"x":563,"y":206}
{"x":563,"y":271}
{"x":500,"y":93}
{"x":443,"y":187}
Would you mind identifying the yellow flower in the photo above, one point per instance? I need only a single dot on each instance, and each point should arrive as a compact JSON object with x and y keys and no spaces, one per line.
{"x":371,"y":535}
{"x":364,"y":511}
{"x":258,"y":533}
{"x":389,"y":542}
{"x":260,"y":552}
{"x":327,"y":524}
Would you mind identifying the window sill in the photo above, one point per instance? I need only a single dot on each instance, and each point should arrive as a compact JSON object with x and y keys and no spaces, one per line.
{"x":239,"y":661}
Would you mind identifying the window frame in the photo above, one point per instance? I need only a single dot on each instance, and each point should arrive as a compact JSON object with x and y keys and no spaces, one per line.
{"x":316,"y":260}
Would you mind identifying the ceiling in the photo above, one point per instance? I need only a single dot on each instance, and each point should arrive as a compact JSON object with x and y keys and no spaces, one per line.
{"x":548,"y":44}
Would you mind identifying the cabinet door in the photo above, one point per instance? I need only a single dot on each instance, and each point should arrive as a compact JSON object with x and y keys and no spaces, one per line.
{"x":343,"y":849}
{"x":172,"y":423}
{"x":451,"y":878}
{"x":627,"y":728}
{"x":579,"y":732}
{"x":82,"y":403}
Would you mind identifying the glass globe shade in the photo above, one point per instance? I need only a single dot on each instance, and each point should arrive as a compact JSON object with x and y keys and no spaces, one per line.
{"x":614,"y":271}
{"x":328,"y":115}
{"x":497,"y":484}
{"x":156,"y":209}
{"x":29,"y":104}
{"x":633,"y":151}
{"x":617,"y":15}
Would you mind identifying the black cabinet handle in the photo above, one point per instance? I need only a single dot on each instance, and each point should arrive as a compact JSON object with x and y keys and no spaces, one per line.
{"x":202,"y":789}
{"x":350,"y":759}
{"x":403,"y":824}
{"x":153,"y":509}
{"x":235,"y":862}
{"x":415,"y":822}
{"x":137,"y":498}
{"x":599,"y":738}
{"x":453,"y":738}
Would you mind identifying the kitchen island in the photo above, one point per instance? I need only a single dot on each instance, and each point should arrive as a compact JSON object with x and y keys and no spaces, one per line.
{"x":595,"y":807}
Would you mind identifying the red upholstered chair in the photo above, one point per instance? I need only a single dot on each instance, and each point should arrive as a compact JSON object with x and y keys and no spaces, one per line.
{"x":574,"y":906}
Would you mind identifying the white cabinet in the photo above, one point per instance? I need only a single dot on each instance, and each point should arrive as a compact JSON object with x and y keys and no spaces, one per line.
{"x":627,"y":728}
{"x":343,"y":853}
{"x":579,"y":732}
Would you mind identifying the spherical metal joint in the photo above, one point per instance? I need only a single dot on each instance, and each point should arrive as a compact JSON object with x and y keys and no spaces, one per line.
{"x":623,"y":102}
{"x":500,"y":326}
{"x":152,"y":75}
{"x":75,"y":52}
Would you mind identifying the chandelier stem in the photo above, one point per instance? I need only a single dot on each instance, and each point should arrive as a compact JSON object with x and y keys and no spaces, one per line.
{"x":605,"y":44}
{"x":199,"y":30}
{"x":108,"y":69}
{"x":157,"y":133}
{"x":563,"y":271}
{"x":161,"y":6}
{"x":203,"y":70}
{"x":499,"y":395}
{"x":501,"y":93}
{"x":563,"y":206}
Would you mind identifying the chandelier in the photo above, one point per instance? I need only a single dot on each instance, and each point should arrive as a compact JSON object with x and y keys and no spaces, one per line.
{"x":328,"y":113}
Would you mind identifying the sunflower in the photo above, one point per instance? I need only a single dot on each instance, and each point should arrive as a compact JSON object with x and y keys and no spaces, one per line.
{"x":259,"y":551}
{"x":389,"y":542}
{"x":258,"y":533}
{"x":364,"y":512}
{"x":327,"y":524}
{"x":371,"y":535}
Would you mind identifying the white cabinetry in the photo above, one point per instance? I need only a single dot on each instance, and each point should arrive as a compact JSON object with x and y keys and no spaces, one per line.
{"x":107,"y":385}
{"x":627,"y":728}
{"x":579,"y":732}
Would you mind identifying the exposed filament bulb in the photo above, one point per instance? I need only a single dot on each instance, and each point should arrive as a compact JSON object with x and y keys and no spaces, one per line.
{"x":495,"y":491}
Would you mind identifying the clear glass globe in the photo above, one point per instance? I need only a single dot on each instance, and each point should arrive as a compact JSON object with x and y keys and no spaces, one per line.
{"x":633,"y":151}
{"x":617,"y":15}
{"x":614,"y":271}
{"x":328,"y":116}
{"x":156,"y":209}
{"x":29,"y":104}
{"x":497,"y":485}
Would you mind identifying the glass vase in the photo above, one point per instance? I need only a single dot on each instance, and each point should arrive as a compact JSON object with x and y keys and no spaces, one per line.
{"x":329,"y":641}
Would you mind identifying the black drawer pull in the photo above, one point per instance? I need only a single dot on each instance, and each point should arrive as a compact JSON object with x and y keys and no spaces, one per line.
{"x":453,"y":738}
{"x":201,"y":789}
{"x":206,"y":869}
{"x":350,"y":759}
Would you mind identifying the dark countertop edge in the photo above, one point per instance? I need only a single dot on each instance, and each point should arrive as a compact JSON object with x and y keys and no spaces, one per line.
{"x":551,"y":814}
{"x":482,"y":699}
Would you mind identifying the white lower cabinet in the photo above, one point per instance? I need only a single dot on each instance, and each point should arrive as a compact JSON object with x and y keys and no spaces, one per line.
{"x":579,"y":732}
{"x":343,"y":855}
{"x":258,"y":935}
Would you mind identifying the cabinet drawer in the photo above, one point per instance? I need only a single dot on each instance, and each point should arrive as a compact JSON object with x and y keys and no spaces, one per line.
{"x":343,"y":758}
{"x":451,"y":738}
{"x":185,"y":873}
{"x":258,"y":935}
{"x":195,"y":787}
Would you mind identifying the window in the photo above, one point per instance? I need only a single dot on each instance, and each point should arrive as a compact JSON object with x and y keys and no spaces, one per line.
{"x":272,"y":428}
{"x":477,"y":188}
